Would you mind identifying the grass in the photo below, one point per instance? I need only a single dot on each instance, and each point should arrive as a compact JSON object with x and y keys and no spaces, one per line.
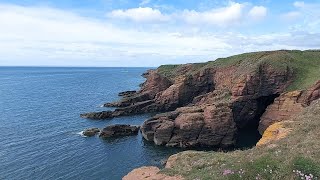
{"x":290,"y":158}
{"x":167,"y":70}
{"x":304,"y":64}
{"x":306,"y":165}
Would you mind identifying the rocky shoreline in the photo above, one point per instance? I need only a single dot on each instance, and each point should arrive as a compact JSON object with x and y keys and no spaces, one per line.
{"x":207,"y":106}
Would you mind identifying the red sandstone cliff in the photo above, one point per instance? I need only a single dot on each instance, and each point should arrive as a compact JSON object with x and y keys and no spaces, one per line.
{"x":207,"y":105}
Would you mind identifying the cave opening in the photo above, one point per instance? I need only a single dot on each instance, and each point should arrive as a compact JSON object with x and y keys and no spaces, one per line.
{"x":248,"y":135}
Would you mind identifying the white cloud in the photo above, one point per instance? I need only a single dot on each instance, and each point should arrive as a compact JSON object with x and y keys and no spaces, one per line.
{"x":141,"y":14}
{"x":48,"y":36}
{"x":258,"y":12}
{"x":305,"y":17}
{"x":225,"y":16}
{"x":144,"y":2}
{"x":230,"y":15}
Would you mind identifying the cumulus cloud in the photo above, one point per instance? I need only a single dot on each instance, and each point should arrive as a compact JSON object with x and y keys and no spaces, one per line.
{"x":141,"y":14}
{"x":48,"y":36}
{"x":258,"y":12}
{"x":222,"y":16}
{"x":230,"y":15}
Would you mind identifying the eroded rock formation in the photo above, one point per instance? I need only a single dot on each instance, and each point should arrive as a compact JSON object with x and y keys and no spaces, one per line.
{"x":118,"y":130}
{"x":91,"y":132}
{"x":149,"y":173}
{"x":206,"y":104}
{"x":288,"y":105}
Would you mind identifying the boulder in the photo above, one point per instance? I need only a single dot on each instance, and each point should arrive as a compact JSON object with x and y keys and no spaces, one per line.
{"x":119,"y":130}
{"x":212,"y":125}
{"x":91,"y":132}
{"x":149,"y":173}
{"x":274,"y":132}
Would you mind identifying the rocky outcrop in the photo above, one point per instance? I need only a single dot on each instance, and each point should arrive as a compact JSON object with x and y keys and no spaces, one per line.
{"x":284,"y":107}
{"x":127,"y":93}
{"x":216,"y":107}
{"x":312,"y":94}
{"x":149,"y":173}
{"x":274,"y":132}
{"x":98,"y":115}
{"x":153,"y":173}
{"x":154,"y":84}
{"x":91,"y":132}
{"x":192,"y":126}
{"x":288,"y":105}
{"x":207,"y":103}
{"x":118,"y":130}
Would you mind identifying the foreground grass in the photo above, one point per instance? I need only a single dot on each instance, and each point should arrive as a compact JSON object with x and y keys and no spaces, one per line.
{"x":294,"y":157}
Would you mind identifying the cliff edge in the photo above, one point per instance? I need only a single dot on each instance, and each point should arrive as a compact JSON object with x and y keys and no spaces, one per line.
{"x":207,"y":104}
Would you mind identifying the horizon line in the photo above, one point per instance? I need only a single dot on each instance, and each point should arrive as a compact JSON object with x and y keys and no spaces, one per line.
{"x":48,"y":66}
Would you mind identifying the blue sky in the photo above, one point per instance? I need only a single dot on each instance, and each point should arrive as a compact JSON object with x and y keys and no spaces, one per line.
{"x":150,"y":32}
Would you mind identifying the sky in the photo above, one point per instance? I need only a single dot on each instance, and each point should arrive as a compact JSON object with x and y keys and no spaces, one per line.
{"x":148,"y":33}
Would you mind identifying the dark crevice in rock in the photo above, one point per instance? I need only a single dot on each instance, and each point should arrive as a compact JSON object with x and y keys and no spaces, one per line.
{"x":248,"y":135}
{"x":201,"y":129}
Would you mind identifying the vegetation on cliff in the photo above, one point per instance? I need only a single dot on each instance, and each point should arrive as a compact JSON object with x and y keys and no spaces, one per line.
{"x":305,"y":65}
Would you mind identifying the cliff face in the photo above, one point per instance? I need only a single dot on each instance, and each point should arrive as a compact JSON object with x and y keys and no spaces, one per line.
{"x":207,"y":103}
{"x":218,"y":102}
{"x":288,"y":105}
{"x":288,"y":150}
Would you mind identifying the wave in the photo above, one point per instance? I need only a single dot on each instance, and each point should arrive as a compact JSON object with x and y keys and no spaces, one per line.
{"x":81,"y":134}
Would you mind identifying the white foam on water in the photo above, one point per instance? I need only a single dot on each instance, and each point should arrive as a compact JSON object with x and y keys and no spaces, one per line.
{"x":81,"y":134}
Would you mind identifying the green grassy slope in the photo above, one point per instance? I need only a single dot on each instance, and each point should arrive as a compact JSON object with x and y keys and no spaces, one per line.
{"x":305,"y":64}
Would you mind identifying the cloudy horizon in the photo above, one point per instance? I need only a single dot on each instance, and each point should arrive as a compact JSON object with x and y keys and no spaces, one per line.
{"x":110,"y":33}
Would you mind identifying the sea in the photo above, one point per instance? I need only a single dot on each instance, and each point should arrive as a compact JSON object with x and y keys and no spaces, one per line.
{"x":40,"y":126}
{"x":41,"y":129}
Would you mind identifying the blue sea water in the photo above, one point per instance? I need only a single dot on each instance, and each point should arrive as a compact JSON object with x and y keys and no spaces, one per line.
{"x":40,"y":124}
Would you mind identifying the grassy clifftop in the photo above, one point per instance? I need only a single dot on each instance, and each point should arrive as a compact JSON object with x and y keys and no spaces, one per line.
{"x":305,"y":65}
{"x":294,"y":157}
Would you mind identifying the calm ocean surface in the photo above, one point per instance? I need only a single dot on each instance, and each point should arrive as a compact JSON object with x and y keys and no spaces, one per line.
{"x":40,"y":124}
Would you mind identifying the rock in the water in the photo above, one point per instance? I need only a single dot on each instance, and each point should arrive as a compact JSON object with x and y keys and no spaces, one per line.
{"x":119,"y":130}
{"x":97,"y":115}
{"x":91,"y":132}
{"x":127,"y":93}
